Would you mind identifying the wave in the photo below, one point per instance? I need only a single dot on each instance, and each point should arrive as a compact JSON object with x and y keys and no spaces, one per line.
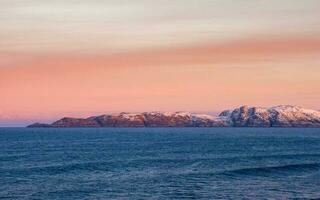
{"x":57,"y":169}
{"x":276,"y":170}
{"x":281,"y":156}
{"x":12,"y":157}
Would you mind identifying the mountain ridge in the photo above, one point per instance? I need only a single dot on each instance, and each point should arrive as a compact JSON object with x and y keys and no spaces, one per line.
{"x":244,"y":116}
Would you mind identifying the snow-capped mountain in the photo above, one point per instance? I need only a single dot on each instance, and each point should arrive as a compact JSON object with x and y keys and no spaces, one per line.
{"x":279,"y":116}
{"x":145,"y":119}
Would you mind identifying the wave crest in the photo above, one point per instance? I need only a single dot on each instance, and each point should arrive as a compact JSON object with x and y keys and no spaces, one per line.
{"x":276,"y":170}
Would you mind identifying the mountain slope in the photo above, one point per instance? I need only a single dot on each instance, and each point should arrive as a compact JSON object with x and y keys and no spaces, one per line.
{"x":244,"y":116}
{"x":278,"y":116}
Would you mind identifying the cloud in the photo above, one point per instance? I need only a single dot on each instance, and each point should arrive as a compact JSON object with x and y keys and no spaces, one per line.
{"x":114,"y":26}
{"x":254,"y":49}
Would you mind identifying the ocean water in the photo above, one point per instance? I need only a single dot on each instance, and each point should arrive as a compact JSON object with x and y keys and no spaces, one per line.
{"x":159,"y":163}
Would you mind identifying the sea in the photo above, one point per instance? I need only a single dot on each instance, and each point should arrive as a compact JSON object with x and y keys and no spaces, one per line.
{"x":159,"y":163}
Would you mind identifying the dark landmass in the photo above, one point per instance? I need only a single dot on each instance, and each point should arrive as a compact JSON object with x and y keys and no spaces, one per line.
{"x":278,"y":116}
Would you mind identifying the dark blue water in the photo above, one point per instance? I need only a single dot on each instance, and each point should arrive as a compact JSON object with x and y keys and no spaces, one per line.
{"x":159,"y":163}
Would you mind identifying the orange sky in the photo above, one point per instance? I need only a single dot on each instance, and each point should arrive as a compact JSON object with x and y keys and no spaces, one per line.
{"x":44,"y":76}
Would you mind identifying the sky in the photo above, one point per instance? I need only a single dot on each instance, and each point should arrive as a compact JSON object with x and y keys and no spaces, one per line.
{"x":81,"y":58}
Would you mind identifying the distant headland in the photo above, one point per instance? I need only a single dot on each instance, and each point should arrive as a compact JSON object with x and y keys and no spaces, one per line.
{"x":244,"y":116}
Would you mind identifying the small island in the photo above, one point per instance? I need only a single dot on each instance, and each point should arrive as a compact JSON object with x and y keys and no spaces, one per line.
{"x":244,"y":116}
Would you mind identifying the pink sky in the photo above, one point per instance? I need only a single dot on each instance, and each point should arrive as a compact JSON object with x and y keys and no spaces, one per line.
{"x":59,"y":59}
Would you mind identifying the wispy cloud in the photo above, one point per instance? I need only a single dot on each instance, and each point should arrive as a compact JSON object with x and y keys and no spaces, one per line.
{"x":113,"y":26}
